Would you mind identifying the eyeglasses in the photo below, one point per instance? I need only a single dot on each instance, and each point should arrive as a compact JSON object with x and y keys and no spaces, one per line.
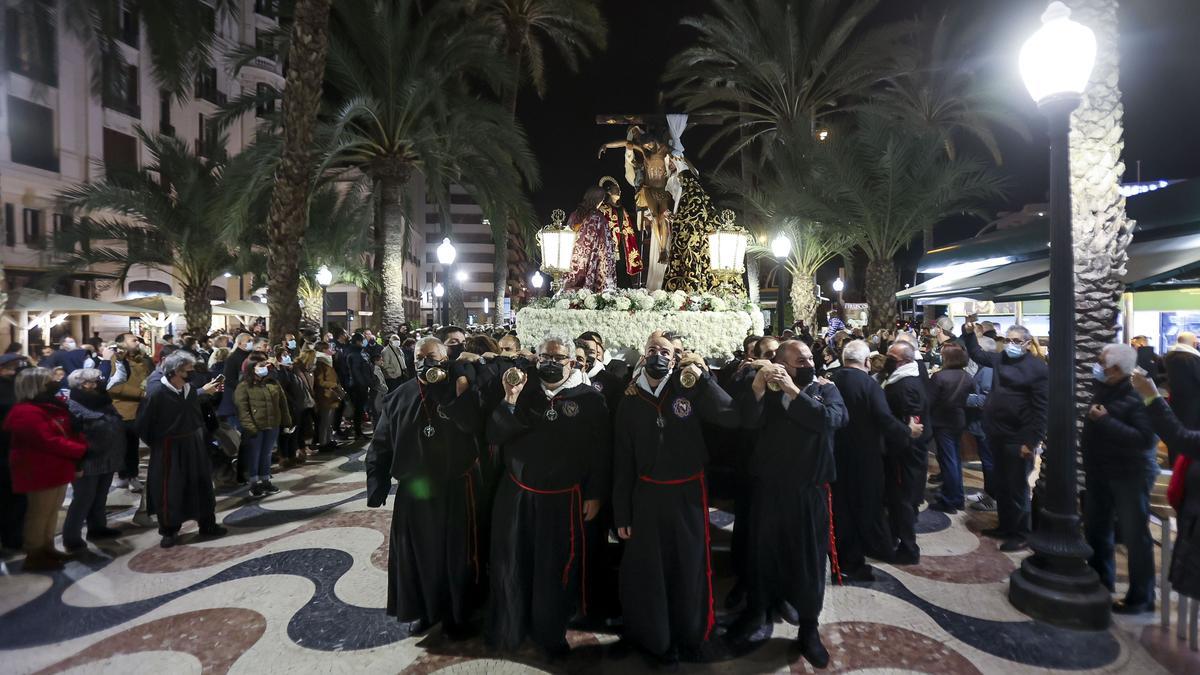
{"x":553,"y":358}
{"x":664,"y":351}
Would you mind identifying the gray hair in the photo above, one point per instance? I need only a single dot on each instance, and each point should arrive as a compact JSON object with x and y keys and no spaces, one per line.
{"x":856,"y":351}
{"x":906,"y":350}
{"x":564,"y":341}
{"x":987,"y":344}
{"x":906,"y":338}
{"x":78,"y":377}
{"x":946,"y":324}
{"x":428,"y":339}
{"x":1021,"y":331}
{"x":219,"y":355}
{"x":1119,"y":356}
{"x":31,"y":382}
{"x":175,"y":361}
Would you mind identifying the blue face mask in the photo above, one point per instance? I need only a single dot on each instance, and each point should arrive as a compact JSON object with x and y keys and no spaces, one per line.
{"x":261,"y":371}
{"x":1014,"y":351}
{"x":291,"y":344}
{"x":1098,"y":373}
{"x":286,"y":360}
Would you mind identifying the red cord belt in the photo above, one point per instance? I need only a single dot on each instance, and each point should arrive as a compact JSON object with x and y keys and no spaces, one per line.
{"x":576,"y":515}
{"x":711,"y":619}
{"x":473,"y":542}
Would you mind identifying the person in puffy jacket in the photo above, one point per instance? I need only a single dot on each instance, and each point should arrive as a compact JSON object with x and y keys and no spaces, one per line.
{"x":44,"y":452}
{"x":262,"y":412}
{"x":948,"y":392}
{"x":94,"y":416}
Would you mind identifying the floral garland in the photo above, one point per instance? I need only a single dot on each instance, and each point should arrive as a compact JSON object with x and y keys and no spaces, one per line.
{"x":640,"y":300}
{"x":712,"y":325}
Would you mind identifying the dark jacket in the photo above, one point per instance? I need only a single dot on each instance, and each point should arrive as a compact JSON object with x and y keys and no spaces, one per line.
{"x":358,"y":365}
{"x":94,"y":416}
{"x":908,"y":398}
{"x":1016,"y":407}
{"x":233,"y":376}
{"x":1120,"y":443}
{"x":871,"y":421}
{"x":948,"y":391}
{"x":1150,"y":362}
{"x":1185,"y":562}
{"x":1183,"y":379}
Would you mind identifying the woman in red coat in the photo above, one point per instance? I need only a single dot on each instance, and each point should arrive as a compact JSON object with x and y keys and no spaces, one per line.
{"x":43,"y":457}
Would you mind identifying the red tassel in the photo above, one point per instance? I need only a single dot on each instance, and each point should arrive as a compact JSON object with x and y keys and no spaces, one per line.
{"x":833,"y":557}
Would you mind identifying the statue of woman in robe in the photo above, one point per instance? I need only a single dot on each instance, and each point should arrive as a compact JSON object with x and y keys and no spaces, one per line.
{"x":593,"y":260}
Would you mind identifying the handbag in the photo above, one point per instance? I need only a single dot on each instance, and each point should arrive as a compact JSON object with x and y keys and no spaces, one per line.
{"x":1175,"y":489}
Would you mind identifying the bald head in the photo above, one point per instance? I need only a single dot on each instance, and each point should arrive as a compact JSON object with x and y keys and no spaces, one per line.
{"x":794,"y":354}
{"x":1187,"y":338}
{"x":903,"y":352}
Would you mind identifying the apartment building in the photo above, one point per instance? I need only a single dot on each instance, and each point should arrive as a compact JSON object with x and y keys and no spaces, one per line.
{"x":57,"y":133}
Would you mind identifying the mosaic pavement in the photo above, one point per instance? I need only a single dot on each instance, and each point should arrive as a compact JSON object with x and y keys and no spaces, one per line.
{"x":298,"y":586}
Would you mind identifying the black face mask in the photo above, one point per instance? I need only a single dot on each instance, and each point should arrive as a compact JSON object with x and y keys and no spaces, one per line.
{"x":550,"y":372}
{"x":591,"y":362}
{"x":424,"y":367}
{"x":454,"y":351}
{"x":804,"y":376}
{"x":658,"y":366}
{"x":891,"y":364}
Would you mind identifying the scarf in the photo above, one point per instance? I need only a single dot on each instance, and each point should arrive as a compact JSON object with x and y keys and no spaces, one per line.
{"x":1187,"y":349}
{"x":573,"y":380}
{"x":906,"y":370}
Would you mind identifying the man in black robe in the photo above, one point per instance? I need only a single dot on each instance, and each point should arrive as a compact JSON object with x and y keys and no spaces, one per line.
{"x":792,"y":466}
{"x":660,"y":501}
{"x":907,"y":460}
{"x":858,"y":515}
{"x":554,"y":438}
{"x":179,"y":478}
{"x":426,"y":440}
{"x":611,"y":383}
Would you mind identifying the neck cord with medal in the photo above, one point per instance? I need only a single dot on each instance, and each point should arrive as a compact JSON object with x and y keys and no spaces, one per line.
{"x":657,"y":403}
{"x":429,"y":430}
{"x":551,"y":413}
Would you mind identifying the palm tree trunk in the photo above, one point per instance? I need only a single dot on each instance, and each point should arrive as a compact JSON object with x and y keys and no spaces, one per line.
{"x":310,"y":312}
{"x":881,"y":293}
{"x":197,"y":310}
{"x":289,"y":199}
{"x":390,"y":226}
{"x":1100,"y":227}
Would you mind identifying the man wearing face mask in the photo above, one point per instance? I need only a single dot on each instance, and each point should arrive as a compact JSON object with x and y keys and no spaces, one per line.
{"x":1014,"y":419}
{"x":1118,"y":446}
{"x":68,"y":356}
{"x":791,"y":468}
{"x":660,"y":501}
{"x":426,"y":440}
{"x":591,"y":363}
{"x":617,"y":369}
{"x":358,"y":365}
{"x":395,"y":366}
{"x":907,"y":462}
{"x":453,"y":337}
{"x":859,"y":520}
{"x":554,"y":439}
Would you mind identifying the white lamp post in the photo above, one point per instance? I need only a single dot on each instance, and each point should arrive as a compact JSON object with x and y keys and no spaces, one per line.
{"x":439,"y":290}
{"x":462,"y":276}
{"x":781,"y":248}
{"x":324,"y":279}
{"x":537,"y":280}
{"x":557,"y":242}
{"x":1055,"y":584}
{"x":446,"y":253}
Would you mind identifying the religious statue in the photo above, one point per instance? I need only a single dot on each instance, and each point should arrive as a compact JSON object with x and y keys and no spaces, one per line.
{"x":625,"y":238}
{"x":593,"y":260}
{"x":646,"y":157}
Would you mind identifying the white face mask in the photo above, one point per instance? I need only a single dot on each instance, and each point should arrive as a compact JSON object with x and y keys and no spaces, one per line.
{"x":396,"y":344}
{"x":68,"y":344}
{"x":261,"y":371}
{"x":286,"y":360}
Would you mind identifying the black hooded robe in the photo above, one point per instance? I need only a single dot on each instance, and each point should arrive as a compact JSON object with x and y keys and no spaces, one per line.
{"x":659,"y":489}
{"x":550,"y":467}
{"x":179,"y":483}
{"x":907,"y":462}
{"x":792,"y":465}
{"x":433,"y":552}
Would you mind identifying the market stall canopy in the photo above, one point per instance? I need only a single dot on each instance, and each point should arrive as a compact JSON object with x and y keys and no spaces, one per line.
{"x":243,"y":308}
{"x":164,"y":304}
{"x":31,"y":300}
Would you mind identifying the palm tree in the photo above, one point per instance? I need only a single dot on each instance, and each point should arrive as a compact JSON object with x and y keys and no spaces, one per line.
{"x":286,"y":222}
{"x":884,"y":185}
{"x":180,"y":37}
{"x":403,"y":76}
{"x":1100,"y":227}
{"x":768,"y":68}
{"x":813,"y":245}
{"x":166,"y":216}
{"x":527,"y":30}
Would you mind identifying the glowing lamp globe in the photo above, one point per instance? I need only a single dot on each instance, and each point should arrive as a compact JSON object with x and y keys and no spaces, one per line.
{"x":781,"y":246}
{"x":439,"y":290}
{"x":462,"y":276}
{"x":838,"y":285}
{"x":557,"y":242}
{"x":537,"y":280}
{"x":727,"y":247}
{"x":446,"y":252}
{"x":1057,"y":60}
{"x":324,"y":276}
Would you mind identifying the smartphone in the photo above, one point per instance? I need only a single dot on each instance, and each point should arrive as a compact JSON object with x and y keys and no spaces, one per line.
{"x":1138,"y":370}
{"x":219,"y":378}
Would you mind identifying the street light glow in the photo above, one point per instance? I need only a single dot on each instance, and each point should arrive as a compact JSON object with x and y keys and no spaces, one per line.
{"x":446,"y":252}
{"x":537,"y":280}
{"x":462,"y":276}
{"x":227,"y":275}
{"x":1057,"y":60}
{"x":781,"y":246}
{"x":439,"y":290}
{"x":838,"y":285}
{"x":324,"y":276}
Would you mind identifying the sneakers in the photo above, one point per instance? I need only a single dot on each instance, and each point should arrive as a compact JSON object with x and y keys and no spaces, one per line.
{"x":984,"y":503}
{"x":257,"y":490}
{"x":269,"y":487}
{"x":135,"y":485}
{"x":942,"y":506}
{"x":120,"y":483}
{"x":168,"y":541}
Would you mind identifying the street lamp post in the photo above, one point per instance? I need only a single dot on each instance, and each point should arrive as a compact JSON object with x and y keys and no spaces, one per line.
{"x":324,"y":278}
{"x":838,"y":287}
{"x":1055,"y":584}
{"x":446,"y":254}
{"x":781,"y":248}
{"x":537,"y":280}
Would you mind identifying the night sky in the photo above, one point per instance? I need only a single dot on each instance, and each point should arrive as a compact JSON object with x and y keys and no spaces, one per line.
{"x":1160,"y":80}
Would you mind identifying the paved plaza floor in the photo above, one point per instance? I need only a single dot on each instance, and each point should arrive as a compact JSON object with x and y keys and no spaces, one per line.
{"x":298,"y":587}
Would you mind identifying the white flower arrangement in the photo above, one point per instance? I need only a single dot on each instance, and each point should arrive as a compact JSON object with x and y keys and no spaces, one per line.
{"x":712,"y":324}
